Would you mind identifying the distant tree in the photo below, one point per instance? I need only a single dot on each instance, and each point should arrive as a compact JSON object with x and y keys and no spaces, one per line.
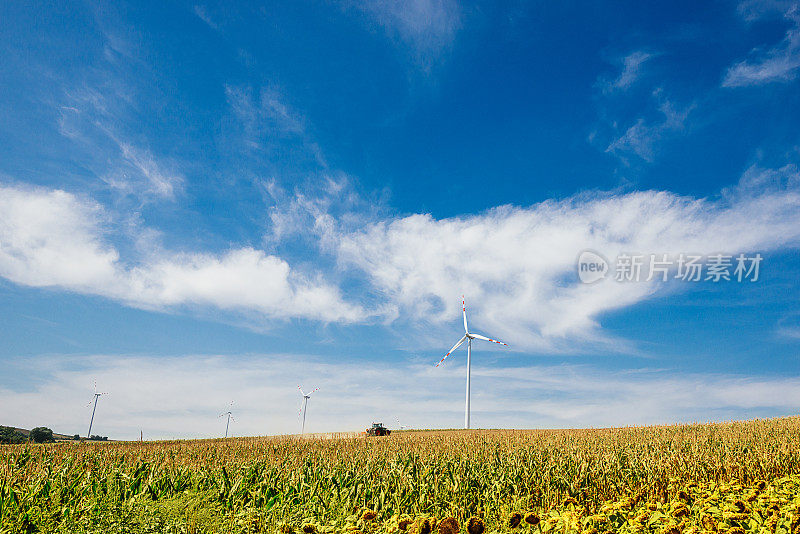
{"x":6,"y":433}
{"x":76,"y":437}
{"x":9,"y":434}
{"x":42,"y":434}
{"x":99,"y":438}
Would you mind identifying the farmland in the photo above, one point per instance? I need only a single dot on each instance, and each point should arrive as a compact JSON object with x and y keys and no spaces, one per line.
{"x":731,"y":477}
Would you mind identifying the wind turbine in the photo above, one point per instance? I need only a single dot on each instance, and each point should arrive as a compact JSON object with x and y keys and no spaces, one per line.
{"x":468,"y":337}
{"x":230,"y":416}
{"x":306,"y":396}
{"x":91,"y":421}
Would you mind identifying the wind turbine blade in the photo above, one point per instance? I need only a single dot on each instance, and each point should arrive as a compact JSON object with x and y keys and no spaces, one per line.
{"x":303,"y":393}
{"x":312,"y":391}
{"x":460,"y":341}
{"x":233,"y":419}
{"x":464,"y":310}
{"x":478,"y":336}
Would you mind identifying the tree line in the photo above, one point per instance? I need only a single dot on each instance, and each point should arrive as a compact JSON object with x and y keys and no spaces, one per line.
{"x":40,"y":434}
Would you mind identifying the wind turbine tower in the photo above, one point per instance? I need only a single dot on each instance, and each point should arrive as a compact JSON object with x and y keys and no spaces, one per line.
{"x":230,"y":416}
{"x":306,"y":396}
{"x":468,"y":337}
{"x":91,"y":421}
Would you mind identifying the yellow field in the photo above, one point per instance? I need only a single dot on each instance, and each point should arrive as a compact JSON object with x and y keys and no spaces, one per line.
{"x":735,"y":477}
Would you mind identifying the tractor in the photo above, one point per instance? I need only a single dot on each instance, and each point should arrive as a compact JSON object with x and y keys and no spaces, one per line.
{"x":377,"y":429}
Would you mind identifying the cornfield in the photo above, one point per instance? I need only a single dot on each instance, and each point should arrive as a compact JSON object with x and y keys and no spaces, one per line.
{"x":731,"y":477}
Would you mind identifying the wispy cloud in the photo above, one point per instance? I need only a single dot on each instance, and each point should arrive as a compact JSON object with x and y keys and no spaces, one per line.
{"x":426,"y":28}
{"x":96,"y":116}
{"x":778,"y":64}
{"x":202,"y":14}
{"x":751,"y":10}
{"x":264,"y":112}
{"x":266,"y":123}
{"x":168,"y":397}
{"x":631,"y":70}
{"x":143,"y":175}
{"x":321,"y":210}
{"x":124,"y":167}
{"x":642,"y":137}
{"x":789,"y":326}
{"x":656,"y":119}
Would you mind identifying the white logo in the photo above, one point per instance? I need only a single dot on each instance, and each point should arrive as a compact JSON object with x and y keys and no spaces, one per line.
{"x":591,"y":267}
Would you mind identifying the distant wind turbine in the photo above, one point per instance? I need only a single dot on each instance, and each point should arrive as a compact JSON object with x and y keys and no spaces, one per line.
{"x":468,"y":337}
{"x":306,"y":396}
{"x":96,"y":396}
{"x":230,"y":416}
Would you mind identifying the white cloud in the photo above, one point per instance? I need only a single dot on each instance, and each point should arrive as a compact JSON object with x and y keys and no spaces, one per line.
{"x":242,"y":279}
{"x":517,"y":266}
{"x":51,"y":238}
{"x":778,"y":64}
{"x":631,"y":68}
{"x":169,"y":397}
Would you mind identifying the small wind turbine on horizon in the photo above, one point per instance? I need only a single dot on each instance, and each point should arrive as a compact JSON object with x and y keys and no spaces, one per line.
{"x":230,"y":416}
{"x":306,"y":396}
{"x":96,"y":396}
{"x":468,"y":337}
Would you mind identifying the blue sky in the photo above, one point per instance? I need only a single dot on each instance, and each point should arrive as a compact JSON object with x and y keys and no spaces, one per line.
{"x":202,"y":203}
